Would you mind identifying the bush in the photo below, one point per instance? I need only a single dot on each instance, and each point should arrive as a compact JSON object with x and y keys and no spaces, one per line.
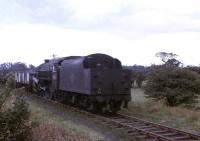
{"x":14,"y":121}
{"x":175,"y":85}
{"x":138,"y":77}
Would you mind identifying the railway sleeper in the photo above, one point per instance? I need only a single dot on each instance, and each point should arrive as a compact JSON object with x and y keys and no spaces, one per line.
{"x":152,"y":129}
{"x":118,"y":126}
{"x":144,"y":126}
{"x":181,"y":138}
{"x":138,"y":126}
{"x":161,"y":132}
{"x":170,"y":134}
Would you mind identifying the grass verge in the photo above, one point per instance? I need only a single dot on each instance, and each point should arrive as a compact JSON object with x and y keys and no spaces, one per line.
{"x":180,"y":117}
{"x":50,"y":127}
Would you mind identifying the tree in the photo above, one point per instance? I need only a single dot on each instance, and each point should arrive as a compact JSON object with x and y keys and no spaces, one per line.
{"x":194,"y":68}
{"x":176,"y":86}
{"x":10,"y":67}
{"x":138,"y":74}
{"x":170,"y":82}
{"x":138,"y":77}
{"x":31,"y":66}
{"x":168,"y":59}
{"x":166,"y":56}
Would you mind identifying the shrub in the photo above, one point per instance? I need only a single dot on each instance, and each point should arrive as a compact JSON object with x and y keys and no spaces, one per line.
{"x":138,"y":77}
{"x":14,"y":121}
{"x":175,"y":85}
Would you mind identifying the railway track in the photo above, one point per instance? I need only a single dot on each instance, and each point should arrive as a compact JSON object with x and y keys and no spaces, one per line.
{"x":151,"y":131}
{"x":138,"y":128}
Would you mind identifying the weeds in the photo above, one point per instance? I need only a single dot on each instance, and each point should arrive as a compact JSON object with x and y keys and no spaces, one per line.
{"x":181,"y":116}
{"x":14,"y":115}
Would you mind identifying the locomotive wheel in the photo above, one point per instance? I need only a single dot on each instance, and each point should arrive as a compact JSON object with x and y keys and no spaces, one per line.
{"x":47,"y":94}
{"x":41,"y":93}
{"x":75,"y":101}
{"x":51,"y":95}
{"x":115,"y":106}
{"x":96,"y":107}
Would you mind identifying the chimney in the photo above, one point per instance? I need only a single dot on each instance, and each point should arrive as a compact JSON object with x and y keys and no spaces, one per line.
{"x":46,"y":60}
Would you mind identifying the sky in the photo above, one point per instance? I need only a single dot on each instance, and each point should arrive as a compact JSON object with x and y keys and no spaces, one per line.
{"x":130,"y":30}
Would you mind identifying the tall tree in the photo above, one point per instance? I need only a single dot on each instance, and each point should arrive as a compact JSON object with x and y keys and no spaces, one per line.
{"x":169,"y":59}
{"x":166,"y":56}
{"x":175,"y":84}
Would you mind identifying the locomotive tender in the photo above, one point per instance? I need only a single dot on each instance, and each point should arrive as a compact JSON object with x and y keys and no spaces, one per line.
{"x":96,"y":82}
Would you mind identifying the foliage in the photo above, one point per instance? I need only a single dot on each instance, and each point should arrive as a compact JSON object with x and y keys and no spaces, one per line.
{"x":168,"y":59}
{"x":166,"y":56}
{"x":10,"y":67}
{"x":138,"y":74}
{"x":7,"y":68}
{"x":175,"y":85}
{"x":194,"y":68}
{"x":14,"y":121}
{"x":138,"y":77}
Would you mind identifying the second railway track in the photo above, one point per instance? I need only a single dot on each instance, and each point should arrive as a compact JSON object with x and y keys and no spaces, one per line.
{"x":136,"y":127}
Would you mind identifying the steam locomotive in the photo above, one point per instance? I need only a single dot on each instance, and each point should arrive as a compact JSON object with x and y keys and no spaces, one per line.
{"x":95,"y":82}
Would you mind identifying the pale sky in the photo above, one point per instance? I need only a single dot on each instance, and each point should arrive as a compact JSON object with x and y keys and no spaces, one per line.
{"x":130,"y":30}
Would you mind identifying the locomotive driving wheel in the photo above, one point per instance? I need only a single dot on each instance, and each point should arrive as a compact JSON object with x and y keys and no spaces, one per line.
{"x":115,"y":106}
{"x":96,"y":107}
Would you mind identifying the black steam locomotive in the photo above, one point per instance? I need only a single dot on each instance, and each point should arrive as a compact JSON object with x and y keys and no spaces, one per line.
{"x":95,"y":82}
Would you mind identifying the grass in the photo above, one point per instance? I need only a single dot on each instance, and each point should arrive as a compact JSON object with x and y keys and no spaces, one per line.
{"x":138,"y":96}
{"x":51,"y":122}
{"x":49,"y":126}
{"x":180,"y":117}
{"x":46,"y":123}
